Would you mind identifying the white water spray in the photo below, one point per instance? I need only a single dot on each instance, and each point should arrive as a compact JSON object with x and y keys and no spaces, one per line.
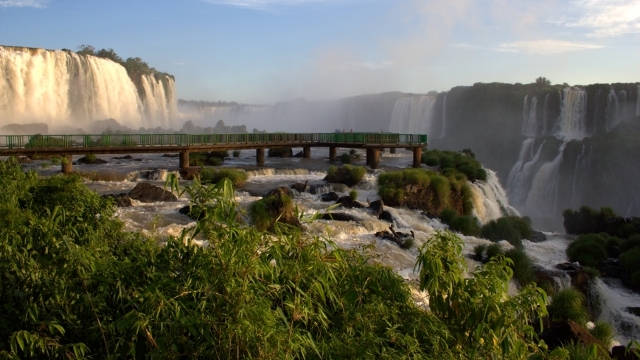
{"x":520,"y":176}
{"x":64,"y":88}
{"x":543,"y":196}
{"x":413,"y":115}
{"x":529,"y":117}
{"x":444,"y":116}
{"x":571,"y":124}
{"x":490,"y":200}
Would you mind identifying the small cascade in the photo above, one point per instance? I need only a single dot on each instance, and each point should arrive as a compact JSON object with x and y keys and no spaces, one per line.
{"x":543,"y":196}
{"x":529,"y":117}
{"x":572,"y":123}
{"x":490,"y":200}
{"x":150,"y":175}
{"x":615,"y":301}
{"x":444,"y":115}
{"x":284,"y":172}
{"x":413,"y":115}
{"x":612,"y":112}
{"x":520,"y":176}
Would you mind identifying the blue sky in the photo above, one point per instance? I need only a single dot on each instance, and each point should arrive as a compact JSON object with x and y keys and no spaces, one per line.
{"x":264,"y":51}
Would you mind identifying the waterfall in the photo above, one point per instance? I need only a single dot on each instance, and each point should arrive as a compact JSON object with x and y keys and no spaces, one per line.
{"x":545,"y":115}
{"x":572,"y":121}
{"x":490,"y":200}
{"x":413,"y":115}
{"x":444,"y":115}
{"x":638,"y":101}
{"x":520,"y":176}
{"x":612,"y":111}
{"x":615,"y":301}
{"x":543,"y":196}
{"x":578,"y":176}
{"x":529,"y":117}
{"x":64,"y":88}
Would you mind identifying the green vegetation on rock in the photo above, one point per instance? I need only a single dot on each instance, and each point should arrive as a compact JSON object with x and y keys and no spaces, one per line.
{"x":510,"y":228}
{"x":463,"y":162}
{"x":236,"y":176}
{"x":346,"y":174}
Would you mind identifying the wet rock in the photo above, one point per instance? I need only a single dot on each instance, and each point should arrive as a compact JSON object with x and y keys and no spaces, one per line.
{"x":25,"y":160}
{"x":279,"y":191}
{"x":84,"y":161}
{"x":620,"y":353}
{"x":145,"y":192}
{"x":332,"y":196}
{"x":189,"y":173}
{"x":300,"y":187}
{"x":338,"y":216}
{"x":171,"y":155}
{"x":299,"y":154}
{"x":538,"y":236}
{"x":611,"y":268}
{"x":569,"y":331}
{"x":339,"y":187}
{"x":121,"y":200}
{"x":153,"y":174}
{"x":377,"y":206}
{"x":404,"y":240}
{"x":126,"y":157}
{"x":276,"y":207}
{"x":342,"y":176}
{"x":386,"y":216}
{"x":634,"y":310}
{"x":349,"y":203}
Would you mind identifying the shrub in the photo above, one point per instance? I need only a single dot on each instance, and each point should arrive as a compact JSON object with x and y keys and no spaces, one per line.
{"x":588,"y":250}
{"x":479,"y":250}
{"x":447,"y":215}
{"x":493,"y":250}
{"x":461,"y":163}
{"x":568,"y":304}
{"x":430,"y":161}
{"x":630,"y":261}
{"x":510,"y":228}
{"x":353,"y":195}
{"x":522,"y":266}
{"x":630,"y":243}
{"x":352,"y":152}
{"x":467,"y":225}
{"x":236,"y":153}
{"x":90,"y":158}
{"x":347,"y":174}
{"x":280,"y":152}
{"x":408,"y":243}
{"x":345,"y":158}
{"x":237,"y":177}
{"x":603,"y":332}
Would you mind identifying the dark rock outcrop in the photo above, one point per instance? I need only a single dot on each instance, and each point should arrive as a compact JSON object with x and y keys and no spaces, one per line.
{"x":331,"y":196}
{"x":171,"y":155}
{"x":126,"y":157}
{"x":620,"y":353}
{"x":386,"y":216}
{"x":538,"y":236}
{"x":564,"y":332}
{"x":84,"y":161}
{"x":404,"y":240}
{"x":338,"y":216}
{"x":121,"y":200}
{"x":300,"y":187}
{"x":349,"y":203}
{"x":145,"y":192}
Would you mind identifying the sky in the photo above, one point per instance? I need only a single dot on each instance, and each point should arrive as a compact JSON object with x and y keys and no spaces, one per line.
{"x":266,"y":51}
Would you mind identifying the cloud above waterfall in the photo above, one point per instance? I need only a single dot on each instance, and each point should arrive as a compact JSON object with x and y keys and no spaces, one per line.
{"x":268,"y":4}
{"x":545,"y":46}
{"x":24,"y":3}
{"x":605,"y":18}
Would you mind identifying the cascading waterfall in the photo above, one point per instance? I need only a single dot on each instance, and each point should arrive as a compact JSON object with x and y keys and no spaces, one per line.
{"x":615,"y":302}
{"x":571,"y":124}
{"x":490,"y":201}
{"x":520,"y":177}
{"x":612,"y":111}
{"x":64,"y":88}
{"x":545,"y":116}
{"x":543,"y":196}
{"x":413,"y":115}
{"x":444,"y":116}
{"x":529,"y":117}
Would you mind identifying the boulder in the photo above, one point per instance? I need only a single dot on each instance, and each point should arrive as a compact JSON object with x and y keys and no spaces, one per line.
{"x":349,"y":203}
{"x":279,"y":191}
{"x":121,"y":200}
{"x":337,"y":187}
{"x":620,"y":353}
{"x":564,"y":332}
{"x":338,"y":216}
{"x":386,"y":216}
{"x":171,"y":155}
{"x":299,"y":154}
{"x":145,"y":192}
{"x":377,"y":206}
{"x":331,"y":196}
{"x":404,"y":240}
{"x":276,"y":207}
{"x":84,"y":161}
{"x":300,"y":187}
{"x":538,"y":236}
{"x":126,"y":157}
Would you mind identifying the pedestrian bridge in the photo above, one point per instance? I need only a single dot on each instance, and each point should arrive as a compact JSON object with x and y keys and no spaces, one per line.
{"x":66,"y":146}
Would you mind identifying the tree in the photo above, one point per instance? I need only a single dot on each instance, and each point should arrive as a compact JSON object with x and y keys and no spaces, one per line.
{"x":543,"y":81}
{"x":109,"y":54}
{"x":86,"y":50}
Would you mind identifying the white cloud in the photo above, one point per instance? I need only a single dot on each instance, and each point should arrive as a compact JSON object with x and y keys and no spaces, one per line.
{"x":23,"y":3}
{"x":545,"y":46}
{"x":607,"y":18}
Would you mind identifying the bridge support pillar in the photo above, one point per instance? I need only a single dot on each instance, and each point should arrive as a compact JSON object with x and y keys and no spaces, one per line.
{"x":417,"y":157}
{"x":184,"y":159}
{"x":260,"y":157}
{"x":333,"y":153}
{"x":392,"y":150}
{"x":373,"y":157}
{"x":67,"y":164}
{"x":306,"y":152}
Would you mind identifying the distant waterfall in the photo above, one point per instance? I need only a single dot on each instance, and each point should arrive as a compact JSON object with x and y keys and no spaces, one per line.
{"x":545,"y":115}
{"x":613,"y":111}
{"x":413,"y":115}
{"x":490,"y":200}
{"x":543,"y":196}
{"x":64,"y":88}
{"x":444,"y":116}
{"x":520,"y":176}
{"x":571,"y":124}
{"x":529,"y":117}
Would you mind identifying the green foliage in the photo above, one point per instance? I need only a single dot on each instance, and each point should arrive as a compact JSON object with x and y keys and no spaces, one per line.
{"x":630,"y":243}
{"x":353,"y":195}
{"x":630,"y":262}
{"x":447,"y":215}
{"x":603,"y":332}
{"x":238,"y":177}
{"x":466,"y":225}
{"x":590,"y":221}
{"x":463,"y":162}
{"x":510,"y":228}
{"x":494,"y":250}
{"x":589,"y":250}
{"x":568,"y":304}
{"x":345,"y":158}
{"x":213,"y":158}
{"x":346,"y":174}
{"x":483,"y":320}
{"x":280,"y":152}
{"x":236,"y":153}
{"x":522,"y":266}
{"x":352,"y":152}
{"x":90,"y":158}
{"x":479,"y":250}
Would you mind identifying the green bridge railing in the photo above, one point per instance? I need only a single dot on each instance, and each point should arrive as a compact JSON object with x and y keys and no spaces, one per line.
{"x":129,"y":140}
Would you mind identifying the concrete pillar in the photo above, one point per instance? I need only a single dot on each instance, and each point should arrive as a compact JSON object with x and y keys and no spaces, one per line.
{"x":417,"y":157}
{"x":184,"y":159}
{"x":67,"y":164}
{"x":306,"y":152}
{"x":333,"y":153}
{"x":260,"y":157}
{"x":392,"y":150}
{"x":369,"y":156}
{"x":375,"y":158}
